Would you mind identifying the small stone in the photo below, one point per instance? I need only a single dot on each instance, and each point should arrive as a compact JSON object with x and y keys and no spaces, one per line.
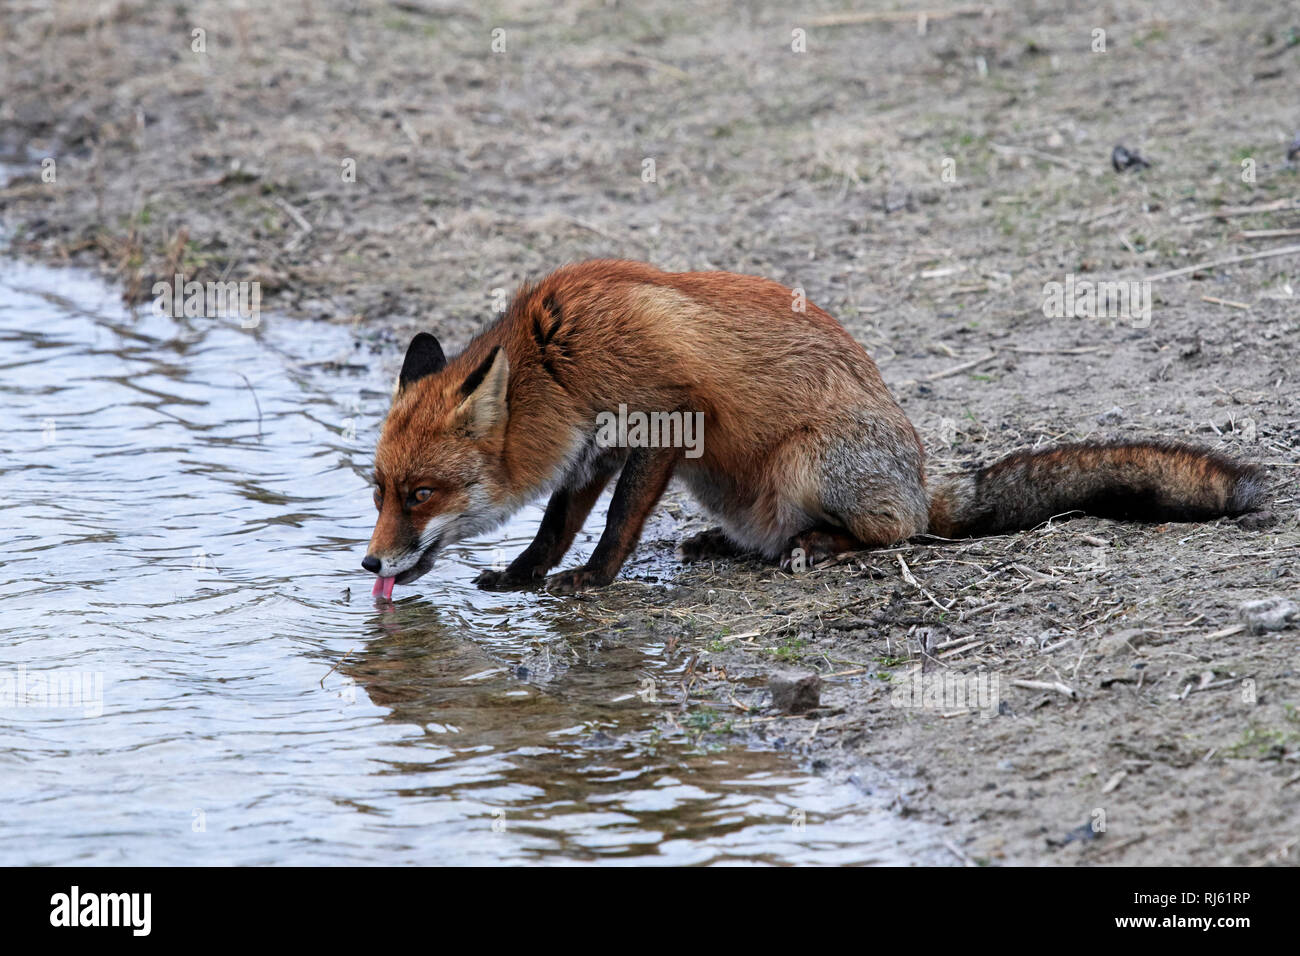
{"x":795,"y":693}
{"x":1256,"y":520}
{"x":1112,"y":417}
{"x":1269,"y":614}
{"x":1123,"y":159}
{"x":1121,"y":642}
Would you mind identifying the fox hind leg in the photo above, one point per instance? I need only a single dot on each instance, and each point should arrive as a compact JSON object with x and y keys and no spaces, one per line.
{"x":816,"y":546}
{"x":862,"y":485}
{"x":714,"y":543}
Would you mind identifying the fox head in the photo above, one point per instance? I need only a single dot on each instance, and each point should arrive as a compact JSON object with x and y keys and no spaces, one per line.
{"x":438,"y":466}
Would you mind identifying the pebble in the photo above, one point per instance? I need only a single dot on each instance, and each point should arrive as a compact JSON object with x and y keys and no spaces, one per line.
{"x":1269,"y":614}
{"x":795,"y":693}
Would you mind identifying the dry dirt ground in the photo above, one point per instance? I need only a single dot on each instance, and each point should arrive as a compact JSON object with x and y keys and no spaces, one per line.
{"x":923,"y":187}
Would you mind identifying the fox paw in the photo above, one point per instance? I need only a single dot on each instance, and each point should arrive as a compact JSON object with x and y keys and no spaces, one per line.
{"x":713,"y":543}
{"x":507,"y":580}
{"x":806,"y":551}
{"x":579,"y":579}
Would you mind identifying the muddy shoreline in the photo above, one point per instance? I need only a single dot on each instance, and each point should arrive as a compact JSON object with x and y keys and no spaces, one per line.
{"x":384,"y":166}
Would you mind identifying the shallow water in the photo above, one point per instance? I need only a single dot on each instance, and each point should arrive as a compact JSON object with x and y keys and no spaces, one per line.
{"x":184,"y":505}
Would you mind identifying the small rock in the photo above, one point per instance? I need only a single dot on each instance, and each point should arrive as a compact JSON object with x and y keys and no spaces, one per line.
{"x":1123,"y":159}
{"x":1256,"y":520}
{"x":1083,"y":832}
{"x":795,"y":693}
{"x":1112,"y":417}
{"x":1121,"y":642}
{"x":1270,"y":614}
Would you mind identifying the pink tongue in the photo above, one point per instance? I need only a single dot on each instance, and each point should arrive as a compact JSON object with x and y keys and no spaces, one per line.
{"x":383,"y":586}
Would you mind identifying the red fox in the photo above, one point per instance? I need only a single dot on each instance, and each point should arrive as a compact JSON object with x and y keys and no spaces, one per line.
{"x":803,"y":445}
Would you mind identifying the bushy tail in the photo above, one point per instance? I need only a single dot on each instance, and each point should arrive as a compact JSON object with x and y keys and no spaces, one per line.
{"x":1141,"y":481}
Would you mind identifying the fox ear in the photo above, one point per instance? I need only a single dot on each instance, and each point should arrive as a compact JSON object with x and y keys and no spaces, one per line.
{"x":423,"y":357}
{"x":483,"y":407}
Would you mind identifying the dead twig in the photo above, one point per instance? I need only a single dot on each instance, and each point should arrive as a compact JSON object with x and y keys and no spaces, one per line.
{"x":303,"y":225}
{"x":1228,"y":212}
{"x":964,"y":366}
{"x":1055,"y":686}
{"x":1006,"y":150}
{"x":911,"y":579}
{"x":1231,"y":260}
{"x":1267,"y":233}
{"x":900,"y":16}
{"x":1228,"y":302}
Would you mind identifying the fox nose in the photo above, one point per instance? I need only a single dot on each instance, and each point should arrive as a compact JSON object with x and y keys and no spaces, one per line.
{"x":371,"y":563}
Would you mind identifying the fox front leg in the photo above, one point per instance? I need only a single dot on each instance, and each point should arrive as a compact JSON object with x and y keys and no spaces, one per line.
{"x":644,"y":478}
{"x":565,"y":514}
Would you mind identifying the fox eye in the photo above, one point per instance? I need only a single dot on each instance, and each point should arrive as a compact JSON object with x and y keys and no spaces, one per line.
{"x":421,"y":495}
{"x":379,"y":499}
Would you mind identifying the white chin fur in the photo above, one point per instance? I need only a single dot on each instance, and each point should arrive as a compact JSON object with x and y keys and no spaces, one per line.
{"x":432,"y":531}
{"x":479,"y":518}
{"x":391,"y":569}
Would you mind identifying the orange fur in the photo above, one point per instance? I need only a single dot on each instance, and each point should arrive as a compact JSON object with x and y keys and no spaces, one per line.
{"x":800,"y":432}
